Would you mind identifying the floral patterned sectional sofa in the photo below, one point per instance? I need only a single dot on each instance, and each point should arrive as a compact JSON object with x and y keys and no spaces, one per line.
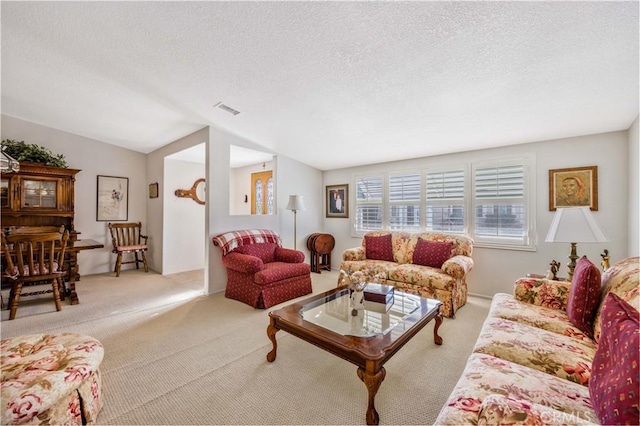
{"x":429,"y":264}
{"x":556,"y":353}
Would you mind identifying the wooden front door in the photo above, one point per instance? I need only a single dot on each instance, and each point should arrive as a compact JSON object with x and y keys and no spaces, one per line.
{"x":262,"y":192}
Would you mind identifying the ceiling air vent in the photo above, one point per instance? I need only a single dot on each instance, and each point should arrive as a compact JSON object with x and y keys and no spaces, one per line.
{"x":227,"y":108}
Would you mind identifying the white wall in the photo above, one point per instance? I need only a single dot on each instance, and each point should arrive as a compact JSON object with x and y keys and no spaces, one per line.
{"x":240,"y":182}
{"x":496,"y":269}
{"x":93,"y":158}
{"x":183,"y":235}
{"x":156,"y":173}
{"x":634,"y":190}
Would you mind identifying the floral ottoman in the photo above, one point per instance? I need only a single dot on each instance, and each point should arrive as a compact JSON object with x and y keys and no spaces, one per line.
{"x":50,"y":379}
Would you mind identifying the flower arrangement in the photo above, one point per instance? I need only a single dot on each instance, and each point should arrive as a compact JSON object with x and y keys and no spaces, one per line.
{"x":358,"y":280}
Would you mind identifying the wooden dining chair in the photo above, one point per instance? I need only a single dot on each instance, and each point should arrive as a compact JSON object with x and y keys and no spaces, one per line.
{"x":127,"y":238}
{"x":33,"y":259}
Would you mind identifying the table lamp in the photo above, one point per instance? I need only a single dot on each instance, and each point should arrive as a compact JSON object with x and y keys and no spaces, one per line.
{"x":574,"y":225}
{"x":295,"y":203}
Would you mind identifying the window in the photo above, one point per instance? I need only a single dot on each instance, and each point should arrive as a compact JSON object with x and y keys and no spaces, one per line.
{"x":499,"y":204}
{"x":489,"y":201}
{"x":445,"y":201}
{"x":404,"y":202}
{"x":369,"y":211}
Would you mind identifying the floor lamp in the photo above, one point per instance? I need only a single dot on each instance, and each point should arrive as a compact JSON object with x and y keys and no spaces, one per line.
{"x":295,"y":203}
{"x":574,"y":225}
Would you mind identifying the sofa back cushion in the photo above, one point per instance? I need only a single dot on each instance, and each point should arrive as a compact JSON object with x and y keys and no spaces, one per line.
{"x":614,"y":384}
{"x":584,"y":296}
{"x":431,"y":253}
{"x":623,"y":279}
{"x":378,"y":247}
{"x":263,"y":251}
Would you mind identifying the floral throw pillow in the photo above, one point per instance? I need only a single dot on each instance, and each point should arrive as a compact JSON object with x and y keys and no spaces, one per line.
{"x":378,"y":247}
{"x":584,"y":296}
{"x":431,"y":253}
{"x":614,"y":385}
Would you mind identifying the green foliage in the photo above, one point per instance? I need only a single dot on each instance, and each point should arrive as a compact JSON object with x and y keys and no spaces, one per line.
{"x":33,"y":153}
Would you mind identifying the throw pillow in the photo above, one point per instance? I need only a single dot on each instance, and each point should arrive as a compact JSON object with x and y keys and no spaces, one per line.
{"x":584,"y":296}
{"x":378,"y":248}
{"x":264,"y":251}
{"x":431,"y":253}
{"x":614,"y":385}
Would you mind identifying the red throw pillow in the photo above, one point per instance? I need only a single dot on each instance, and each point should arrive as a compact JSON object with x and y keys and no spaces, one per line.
{"x":431,"y":253}
{"x":378,"y":248}
{"x":584,"y":296}
{"x":265,"y":251}
{"x":614,"y":385}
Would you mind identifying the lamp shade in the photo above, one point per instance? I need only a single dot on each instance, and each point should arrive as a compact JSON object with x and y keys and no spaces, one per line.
{"x":295,"y":203}
{"x":575,"y":225}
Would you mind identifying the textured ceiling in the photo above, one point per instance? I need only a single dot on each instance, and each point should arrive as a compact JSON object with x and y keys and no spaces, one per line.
{"x":331,"y":84}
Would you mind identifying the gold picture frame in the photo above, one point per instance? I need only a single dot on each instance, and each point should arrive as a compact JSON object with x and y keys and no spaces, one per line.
{"x":153,"y":190}
{"x":337,"y":200}
{"x":573,"y":187}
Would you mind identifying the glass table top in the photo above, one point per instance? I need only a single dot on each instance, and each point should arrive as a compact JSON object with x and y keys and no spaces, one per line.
{"x":334,"y":313}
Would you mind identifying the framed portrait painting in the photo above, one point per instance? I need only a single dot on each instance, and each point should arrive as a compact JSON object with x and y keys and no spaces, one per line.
{"x":113,"y":198}
{"x":337,"y":197}
{"x":573,"y":187}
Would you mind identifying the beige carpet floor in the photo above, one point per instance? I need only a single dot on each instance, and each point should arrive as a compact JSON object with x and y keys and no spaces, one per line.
{"x":176,"y":356}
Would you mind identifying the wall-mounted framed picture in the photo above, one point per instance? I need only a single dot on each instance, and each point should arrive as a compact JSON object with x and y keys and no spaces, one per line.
{"x":337,"y":200}
{"x":153,"y":190}
{"x":113,"y":198}
{"x":573,"y":187}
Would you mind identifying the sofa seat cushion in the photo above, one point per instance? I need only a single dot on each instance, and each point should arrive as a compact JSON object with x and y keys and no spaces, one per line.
{"x":552,"y":353}
{"x":486,"y":375}
{"x":277,"y":271}
{"x":425,"y":276}
{"x":504,"y":410}
{"x":505,"y":306}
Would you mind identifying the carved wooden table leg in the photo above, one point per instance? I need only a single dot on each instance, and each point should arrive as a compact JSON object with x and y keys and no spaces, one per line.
{"x":437,"y":339}
{"x":372,"y":381}
{"x":271,"y":332}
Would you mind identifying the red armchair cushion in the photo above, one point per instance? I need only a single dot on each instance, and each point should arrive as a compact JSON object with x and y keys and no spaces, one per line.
{"x":378,"y":248}
{"x":614,"y":383}
{"x":277,"y":271}
{"x":263,"y":251}
{"x":584,"y":296}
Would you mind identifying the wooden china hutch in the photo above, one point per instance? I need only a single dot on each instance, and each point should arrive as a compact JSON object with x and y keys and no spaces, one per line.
{"x":39,"y":195}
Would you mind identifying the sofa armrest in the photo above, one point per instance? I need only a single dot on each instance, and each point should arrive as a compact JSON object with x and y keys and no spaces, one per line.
{"x":288,"y":255}
{"x":243,"y":263}
{"x":457,"y":266}
{"x":356,"y":253}
{"x":542,"y":292}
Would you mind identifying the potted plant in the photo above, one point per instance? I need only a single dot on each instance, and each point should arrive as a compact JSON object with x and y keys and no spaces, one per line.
{"x":32,"y":153}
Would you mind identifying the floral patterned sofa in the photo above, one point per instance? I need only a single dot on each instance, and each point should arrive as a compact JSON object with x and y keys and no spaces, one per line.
{"x":51,"y":379}
{"x":549,"y":355}
{"x":429,"y":264}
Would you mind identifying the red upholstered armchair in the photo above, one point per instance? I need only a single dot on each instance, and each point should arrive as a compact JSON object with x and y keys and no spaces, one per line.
{"x":260,"y":272}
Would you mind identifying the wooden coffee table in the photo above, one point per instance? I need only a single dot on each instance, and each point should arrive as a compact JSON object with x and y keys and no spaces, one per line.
{"x":367,"y":340}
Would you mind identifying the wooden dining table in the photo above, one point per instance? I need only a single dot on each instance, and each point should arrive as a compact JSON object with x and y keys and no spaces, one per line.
{"x":74,"y":267}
